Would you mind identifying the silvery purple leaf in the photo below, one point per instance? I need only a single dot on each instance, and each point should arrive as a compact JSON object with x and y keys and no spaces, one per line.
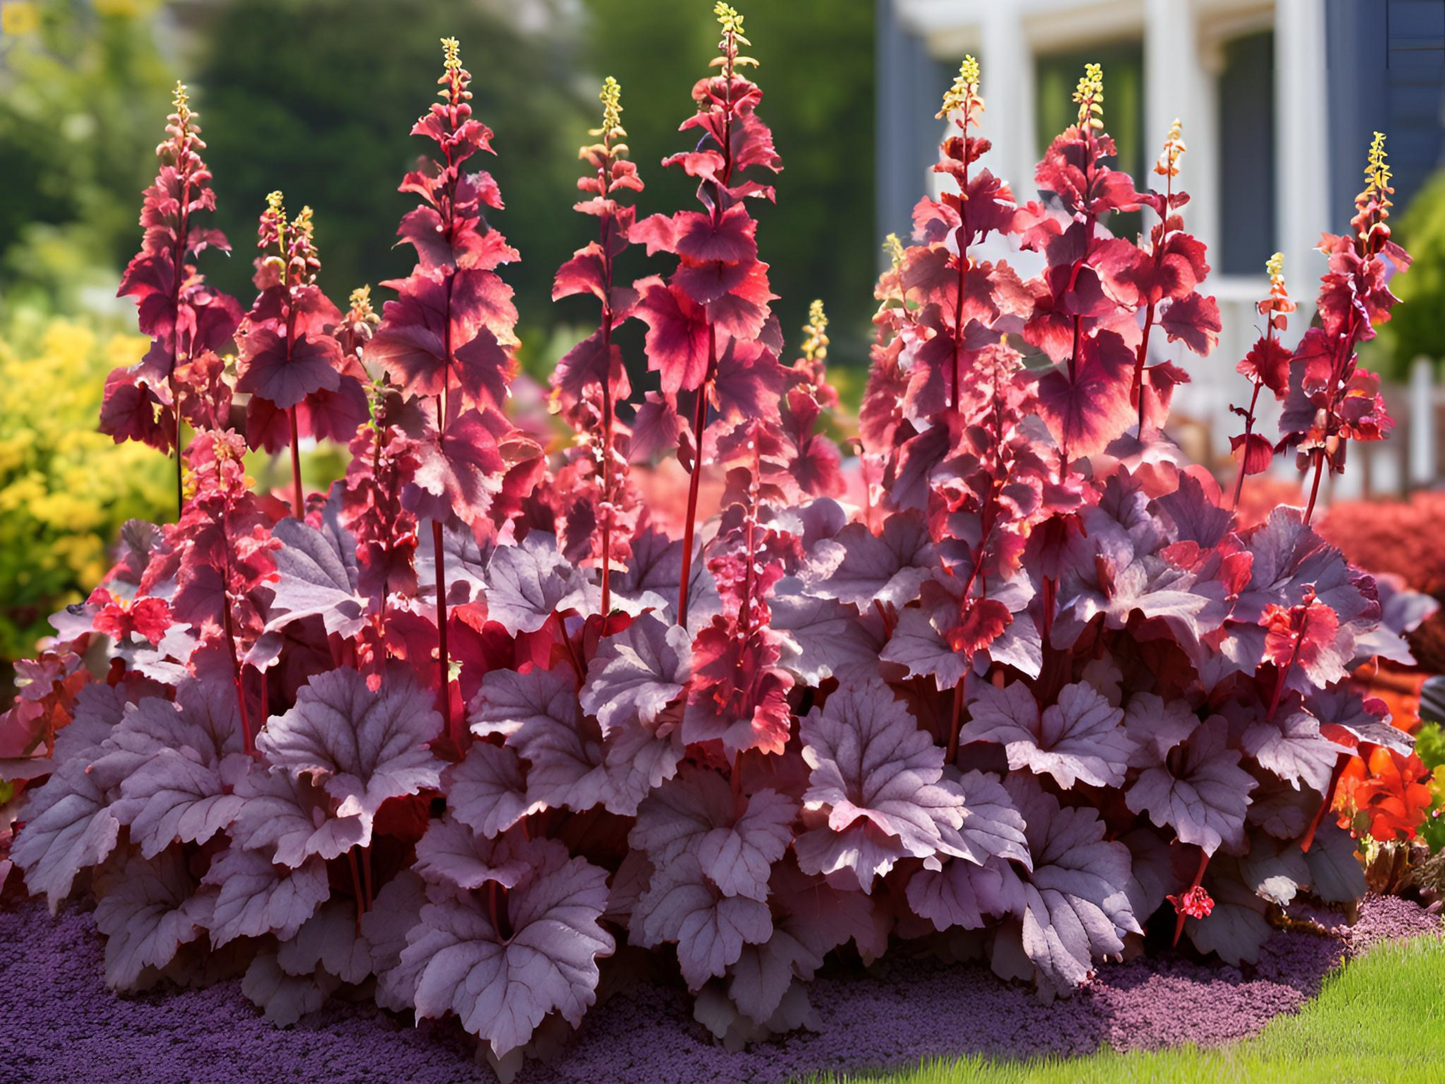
{"x":256,"y":897}
{"x":1291,"y":746}
{"x":735,"y":843}
{"x":637,"y":672}
{"x":502,"y":989}
{"x":919,"y":646}
{"x":992,"y":826}
{"x":651,"y":578}
{"x":508,"y":700}
{"x":966,"y":895}
{"x":203,"y":718}
{"x":316,"y":577}
{"x":859,"y":567}
{"x":487,"y":790}
{"x":527,"y":583}
{"x":450,"y":853}
{"x":147,"y":910}
{"x":365,"y":746}
{"x":285,"y":998}
{"x":1346,"y":719}
{"x":710,"y":929}
{"x":1077,"y":738}
{"x":1155,"y":727}
{"x":68,"y":826}
{"x":763,"y":974}
{"x":463,"y":558}
{"x":1202,"y":794}
{"x":566,"y":762}
{"x":291,"y":818}
{"x":328,"y":940}
{"x":879,"y":780}
{"x":394,"y":913}
{"x":1076,"y":902}
{"x":174,"y":797}
{"x":831,"y":638}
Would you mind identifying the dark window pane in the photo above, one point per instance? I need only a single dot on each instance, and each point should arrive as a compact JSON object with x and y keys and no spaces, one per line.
{"x":1058,"y":74}
{"x":1248,"y":221}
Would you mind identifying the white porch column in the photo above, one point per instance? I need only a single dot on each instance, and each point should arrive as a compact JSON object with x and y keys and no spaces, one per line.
{"x":1008,"y":91}
{"x":1302,"y":139}
{"x":1422,"y":422}
{"x":1179,"y":82}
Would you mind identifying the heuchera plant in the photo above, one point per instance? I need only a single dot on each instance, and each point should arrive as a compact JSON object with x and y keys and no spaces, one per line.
{"x":473,"y":719}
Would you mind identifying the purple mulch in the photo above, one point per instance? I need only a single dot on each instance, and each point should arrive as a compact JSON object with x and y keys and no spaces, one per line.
{"x":58,"y":1023}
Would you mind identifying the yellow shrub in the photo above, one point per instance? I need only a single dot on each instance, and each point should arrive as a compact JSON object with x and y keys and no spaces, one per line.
{"x":65,"y":489}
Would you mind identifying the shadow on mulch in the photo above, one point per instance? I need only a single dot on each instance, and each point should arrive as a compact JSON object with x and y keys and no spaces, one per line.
{"x":58,"y":1023}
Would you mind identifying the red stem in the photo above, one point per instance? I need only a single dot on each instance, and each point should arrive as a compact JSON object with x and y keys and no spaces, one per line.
{"x":366,"y":873}
{"x":699,"y":421}
{"x":1149,"y":312}
{"x":955,"y":723}
{"x":444,"y":666}
{"x":298,"y":508}
{"x":1319,"y":457}
{"x":606,"y":407}
{"x":1248,"y":429}
{"x":1139,"y":360}
{"x":356,"y":888}
{"x":180,"y":468}
{"x":1309,"y":837}
{"x":700,"y":414}
{"x":248,"y":741}
{"x":178,"y":258}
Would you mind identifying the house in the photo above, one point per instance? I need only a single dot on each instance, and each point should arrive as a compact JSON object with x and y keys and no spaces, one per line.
{"x":1278,"y":100}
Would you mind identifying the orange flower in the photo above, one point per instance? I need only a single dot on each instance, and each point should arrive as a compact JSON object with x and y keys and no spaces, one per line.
{"x":1386,"y":797}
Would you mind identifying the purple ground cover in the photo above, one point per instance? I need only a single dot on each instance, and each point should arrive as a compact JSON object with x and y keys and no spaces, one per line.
{"x":59,"y":1023}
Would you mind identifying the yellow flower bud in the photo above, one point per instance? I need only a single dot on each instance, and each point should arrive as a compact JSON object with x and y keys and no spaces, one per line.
{"x":1089,"y":96}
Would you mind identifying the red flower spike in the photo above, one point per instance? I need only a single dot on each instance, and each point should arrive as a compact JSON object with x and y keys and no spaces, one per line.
{"x":717,"y":301}
{"x":593,"y":495}
{"x":185,"y":318}
{"x":1330,"y":401}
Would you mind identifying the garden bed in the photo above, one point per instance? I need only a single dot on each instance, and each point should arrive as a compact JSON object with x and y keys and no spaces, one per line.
{"x":62,"y":1024}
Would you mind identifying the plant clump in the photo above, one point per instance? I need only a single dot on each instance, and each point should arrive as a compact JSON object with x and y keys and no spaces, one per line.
{"x":474,"y":720}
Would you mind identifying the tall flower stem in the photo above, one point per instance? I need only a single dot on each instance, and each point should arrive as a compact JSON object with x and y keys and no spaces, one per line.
{"x":1319,"y":458}
{"x":443,"y":656}
{"x":298,"y":508}
{"x":699,"y":421}
{"x":1248,"y":431}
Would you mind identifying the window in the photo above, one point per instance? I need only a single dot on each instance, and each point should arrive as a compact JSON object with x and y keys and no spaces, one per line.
{"x":1058,"y":74}
{"x":1248,"y":219}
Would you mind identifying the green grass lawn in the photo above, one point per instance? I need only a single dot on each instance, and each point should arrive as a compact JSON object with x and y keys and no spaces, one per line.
{"x":1379,"y":1020}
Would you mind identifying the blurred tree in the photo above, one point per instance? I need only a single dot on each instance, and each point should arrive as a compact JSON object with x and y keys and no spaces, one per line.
{"x":83,"y":92}
{"x":65,"y":489}
{"x":816,"y":72}
{"x":316,"y":97}
{"x":1418,"y":328}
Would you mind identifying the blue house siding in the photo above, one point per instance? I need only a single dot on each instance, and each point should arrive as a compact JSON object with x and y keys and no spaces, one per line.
{"x":1386,"y":73}
{"x":910,"y":87}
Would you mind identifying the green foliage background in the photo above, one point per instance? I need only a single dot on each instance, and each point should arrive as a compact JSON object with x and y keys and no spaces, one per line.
{"x":65,"y":489}
{"x":1414,"y":329}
